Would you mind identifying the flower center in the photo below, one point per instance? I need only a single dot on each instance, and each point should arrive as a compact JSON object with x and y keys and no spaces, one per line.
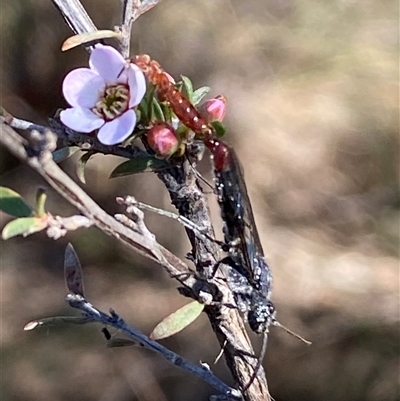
{"x":113,"y":103}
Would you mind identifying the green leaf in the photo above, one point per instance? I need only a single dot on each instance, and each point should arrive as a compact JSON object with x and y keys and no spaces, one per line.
{"x":199,"y":94}
{"x":41,"y":197}
{"x":219,"y":128}
{"x":145,"y":105}
{"x":23,"y":226}
{"x":12,"y":203}
{"x":187,"y":88}
{"x":143,"y":108}
{"x":138,"y":165}
{"x":80,"y":167}
{"x":167,"y":112}
{"x":177,"y":321}
{"x":63,"y":153}
{"x":157,"y":113}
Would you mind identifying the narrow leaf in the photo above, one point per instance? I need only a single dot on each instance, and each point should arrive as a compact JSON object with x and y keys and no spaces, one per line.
{"x":80,"y":167}
{"x":87,"y":37}
{"x":138,"y":165}
{"x":187,"y":88}
{"x":73,"y":271}
{"x":177,"y":321}
{"x":12,"y":203}
{"x":199,"y":94}
{"x":41,"y":197}
{"x":63,"y":153}
{"x":23,"y":226}
{"x":219,"y":128}
{"x":145,"y":105}
{"x":56,"y":321}
{"x":157,"y":113}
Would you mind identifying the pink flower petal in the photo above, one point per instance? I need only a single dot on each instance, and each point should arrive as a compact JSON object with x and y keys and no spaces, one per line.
{"x":136,"y":83}
{"x":83,"y":88}
{"x":81,"y":120}
{"x":107,"y":62}
{"x":117,"y":130}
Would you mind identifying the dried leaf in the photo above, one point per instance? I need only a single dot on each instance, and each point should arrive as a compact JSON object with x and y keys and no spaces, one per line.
{"x":73,"y":271}
{"x":87,"y":37}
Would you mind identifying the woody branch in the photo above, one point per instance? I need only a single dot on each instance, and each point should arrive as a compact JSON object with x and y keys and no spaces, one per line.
{"x":185,"y":195}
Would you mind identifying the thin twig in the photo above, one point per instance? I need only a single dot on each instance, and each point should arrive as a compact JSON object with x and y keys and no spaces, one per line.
{"x":75,"y":16}
{"x":113,"y":320}
{"x":130,"y":202}
{"x":72,"y":138}
{"x":131,"y":11}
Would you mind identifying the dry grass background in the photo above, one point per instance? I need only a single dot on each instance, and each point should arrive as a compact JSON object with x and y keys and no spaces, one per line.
{"x":313,"y":113}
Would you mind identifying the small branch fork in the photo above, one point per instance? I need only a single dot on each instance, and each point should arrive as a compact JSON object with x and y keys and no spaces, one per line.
{"x":73,"y":275}
{"x":131,"y":11}
{"x":79,"y":21}
{"x":113,"y":320}
{"x":37,"y":154}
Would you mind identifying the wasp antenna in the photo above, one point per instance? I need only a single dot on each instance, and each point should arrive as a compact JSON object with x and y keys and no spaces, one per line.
{"x":292,"y":333}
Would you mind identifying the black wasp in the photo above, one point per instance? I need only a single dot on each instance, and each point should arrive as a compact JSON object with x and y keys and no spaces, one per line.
{"x":250,"y":278}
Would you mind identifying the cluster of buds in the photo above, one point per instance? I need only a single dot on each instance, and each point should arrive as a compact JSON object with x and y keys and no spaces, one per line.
{"x":107,"y":96}
{"x":165,"y":141}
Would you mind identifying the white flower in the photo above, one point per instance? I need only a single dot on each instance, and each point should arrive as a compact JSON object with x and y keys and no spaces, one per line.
{"x":104,"y":96}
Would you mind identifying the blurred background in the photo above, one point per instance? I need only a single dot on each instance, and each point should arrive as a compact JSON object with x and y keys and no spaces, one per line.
{"x":312,"y":90}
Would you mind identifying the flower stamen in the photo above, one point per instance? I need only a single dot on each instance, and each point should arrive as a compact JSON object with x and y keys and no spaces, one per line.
{"x":113,"y":103}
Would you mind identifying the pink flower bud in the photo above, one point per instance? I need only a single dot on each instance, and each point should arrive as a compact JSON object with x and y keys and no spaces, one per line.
{"x":163,"y":140}
{"x":214,"y":109}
